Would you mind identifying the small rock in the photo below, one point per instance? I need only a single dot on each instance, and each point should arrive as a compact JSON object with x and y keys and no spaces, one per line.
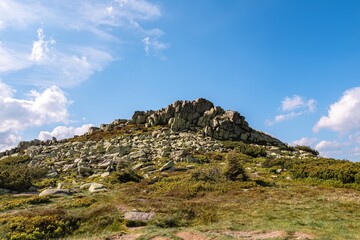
{"x":139,"y":216}
{"x":105,"y":174}
{"x":52,"y":192}
{"x":168,"y":166}
{"x":97,"y":187}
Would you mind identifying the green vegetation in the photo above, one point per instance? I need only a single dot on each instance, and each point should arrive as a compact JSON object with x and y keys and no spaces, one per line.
{"x":17,"y":175}
{"x":343,"y":172}
{"x":240,"y":190}
{"x":48,"y":225}
{"x":247,"y":149}
{"x":234,"y":170}
{"x":307,"y":149}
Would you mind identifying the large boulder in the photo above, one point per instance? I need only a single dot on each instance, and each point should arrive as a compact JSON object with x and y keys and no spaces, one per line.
{"x":55,"y":192}
{"x":201,"y":115}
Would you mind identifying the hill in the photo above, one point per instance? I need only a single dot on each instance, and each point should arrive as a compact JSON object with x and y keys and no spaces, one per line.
{"x":187,"y":171}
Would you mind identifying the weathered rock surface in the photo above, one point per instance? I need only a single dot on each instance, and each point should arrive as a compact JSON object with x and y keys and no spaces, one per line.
{"x":139,"y":216}
{"x":182,"y":128}
{"x":201,"y":115}
{"x":52,"y":192}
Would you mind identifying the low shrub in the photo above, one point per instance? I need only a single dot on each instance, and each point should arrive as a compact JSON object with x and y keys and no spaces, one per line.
{"x":40,"y":226}
{"x":307,"y":149}
{"x":234,"y":169}
{"x":127,"y":175}
{"x":16,"y":175}
{"x":208,"y":174}
{"x":248,"y":149}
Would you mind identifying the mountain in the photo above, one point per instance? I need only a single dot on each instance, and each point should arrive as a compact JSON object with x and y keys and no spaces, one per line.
{"x":190,"y":170}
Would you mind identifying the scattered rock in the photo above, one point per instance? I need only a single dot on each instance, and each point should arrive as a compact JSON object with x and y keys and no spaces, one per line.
{"x":139,"y":216}
{"x":168,"y":166}
{"x":97,"y":187}
{"x":52,"y":192}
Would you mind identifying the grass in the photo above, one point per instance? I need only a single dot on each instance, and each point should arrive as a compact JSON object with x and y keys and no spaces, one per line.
{"x":203,"y":199}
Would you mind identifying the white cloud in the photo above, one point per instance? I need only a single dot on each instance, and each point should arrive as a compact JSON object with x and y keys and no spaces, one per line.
{"x":304,"y":141}
{"x":293,"y":107}
{"x":62,"y":132}
{"x":297,"y":102}
{"x":97,"y":28}
{"x":8,"y":140}
{"x":334,"y":149}
{"x":38,"y":108}
{"x":18,"y":14}
{"x":343,"y":115}
{"x":40,"y":51}
{"x":147,"y":43}
{"x":12,"y":60}
{"x":328,"y":146}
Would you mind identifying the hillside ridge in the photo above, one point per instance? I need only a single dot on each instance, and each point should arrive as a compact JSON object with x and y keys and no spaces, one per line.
{"x":199,"y":116}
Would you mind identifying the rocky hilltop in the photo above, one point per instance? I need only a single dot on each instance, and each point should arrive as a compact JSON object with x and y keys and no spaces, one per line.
{"x":190,"y":158}
{"x":203,"y":117}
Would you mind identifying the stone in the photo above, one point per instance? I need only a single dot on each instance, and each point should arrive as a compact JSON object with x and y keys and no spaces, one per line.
{"x":168,"y":166}
{"x":4,"y":191}
{"x":55,"y":192}
{"x":97,"y":187}
{"x":84,"y":170}
{"x":105,"y":174}
{"x":139,"y":216}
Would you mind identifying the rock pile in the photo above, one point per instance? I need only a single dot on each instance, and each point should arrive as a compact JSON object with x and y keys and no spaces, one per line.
{"x":201,"y":115}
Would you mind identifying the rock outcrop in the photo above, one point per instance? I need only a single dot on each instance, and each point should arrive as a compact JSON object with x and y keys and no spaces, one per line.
{"x":201,"y":115}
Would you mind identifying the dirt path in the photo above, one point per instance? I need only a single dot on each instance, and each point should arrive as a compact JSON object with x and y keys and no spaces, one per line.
{"x":254,"y":235}
{"x":190,"y":236}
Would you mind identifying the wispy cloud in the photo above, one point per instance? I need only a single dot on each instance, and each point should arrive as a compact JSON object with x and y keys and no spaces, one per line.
{"x":304,"y":141}
{"x":104,"y":25}
{"x":292,"y":107}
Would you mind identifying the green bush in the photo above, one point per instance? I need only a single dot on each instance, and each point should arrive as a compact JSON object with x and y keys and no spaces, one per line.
{"x":16,"y":175}
{"x":322,"y":168}
{"x":209,"y":174}
{"x":40,"y":227}
{"x":234,"y":169}
{"x":128,"y":175}
{"x":307,"y":149}
{"x":248,"y":149}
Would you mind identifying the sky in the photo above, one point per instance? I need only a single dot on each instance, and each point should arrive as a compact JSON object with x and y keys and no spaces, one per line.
{"x":289,"y":66}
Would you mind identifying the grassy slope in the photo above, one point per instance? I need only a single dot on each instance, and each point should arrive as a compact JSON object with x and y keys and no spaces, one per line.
{"x":209,"y":204}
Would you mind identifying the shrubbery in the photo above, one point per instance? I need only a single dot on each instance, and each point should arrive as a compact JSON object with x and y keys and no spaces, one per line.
{"x":234,"y":170}
{"x":47,"y":226}
{"x":16,"y":175}
{"x":307,"y":149}
{"x":248,"y":149}
{"x":322,"y":168}
{"x":128,"y":175}
{"x":210,"y":174}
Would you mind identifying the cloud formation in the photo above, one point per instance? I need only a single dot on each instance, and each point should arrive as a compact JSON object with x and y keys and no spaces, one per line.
{"x":62,"y":132}
{"x":292,"y":107}
{"x":38,"y":108}
{"x":344,"y":115}
{"x":44,"y":62}
{"x":305,"y":141}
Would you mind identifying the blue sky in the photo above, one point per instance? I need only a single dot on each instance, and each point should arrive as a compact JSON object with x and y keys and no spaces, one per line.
{"x":290,"y":67}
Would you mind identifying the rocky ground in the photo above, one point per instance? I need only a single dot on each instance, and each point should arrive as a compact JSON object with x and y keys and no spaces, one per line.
{"x":164,"y":169}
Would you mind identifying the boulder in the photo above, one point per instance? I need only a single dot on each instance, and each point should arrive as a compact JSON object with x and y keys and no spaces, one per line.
{"x":168,"y":166}
{"x":55,"y":192}
{"x":139,"y":216}
{"x":97,"y":187}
